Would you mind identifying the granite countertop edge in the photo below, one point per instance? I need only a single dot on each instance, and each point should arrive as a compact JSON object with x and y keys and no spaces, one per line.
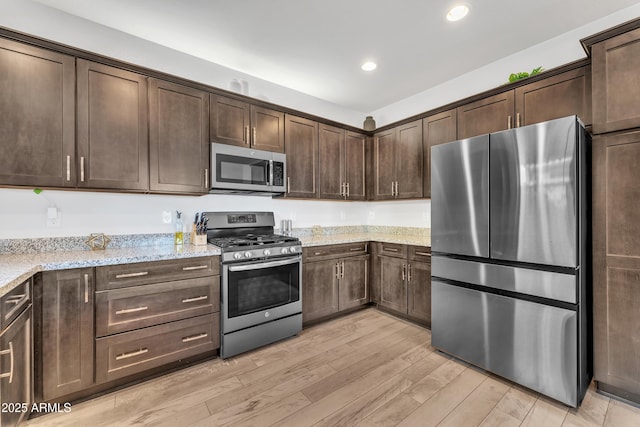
{"x":335,"y":239}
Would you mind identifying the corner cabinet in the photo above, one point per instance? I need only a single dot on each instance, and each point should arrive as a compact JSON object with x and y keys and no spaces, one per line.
{"x":112,"y":123}
{"x":239,"y":123}
{"x":178,"y":138}
{"x":37,"y":106}
{"x":301,"y":143}
{"x":398,"y":163}
{"x":335,"y":278}
{"x":342,"y":157}
{"x":64,"y":332}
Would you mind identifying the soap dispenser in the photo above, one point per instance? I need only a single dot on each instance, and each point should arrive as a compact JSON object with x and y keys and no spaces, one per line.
{"x":179,"y":237}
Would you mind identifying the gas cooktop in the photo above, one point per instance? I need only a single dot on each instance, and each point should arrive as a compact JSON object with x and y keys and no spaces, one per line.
{"x":251,"y":240}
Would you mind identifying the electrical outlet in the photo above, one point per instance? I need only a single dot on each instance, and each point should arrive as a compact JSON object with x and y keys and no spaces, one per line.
{"x":167,"y":217}
{"x":53,"y":217}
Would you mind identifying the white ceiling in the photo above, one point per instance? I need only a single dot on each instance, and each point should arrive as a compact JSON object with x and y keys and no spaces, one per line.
{"x":317,"y":47}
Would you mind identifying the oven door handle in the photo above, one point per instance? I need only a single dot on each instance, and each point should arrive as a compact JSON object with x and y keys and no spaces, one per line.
{"x":248,"y":267}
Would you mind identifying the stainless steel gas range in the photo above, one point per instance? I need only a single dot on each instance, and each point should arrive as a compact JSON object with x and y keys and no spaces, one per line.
{"x":261,"y":287}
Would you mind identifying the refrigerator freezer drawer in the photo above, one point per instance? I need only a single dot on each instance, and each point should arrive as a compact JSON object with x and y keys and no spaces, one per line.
{"x":531,"y":344}
{"x":545,"y":284}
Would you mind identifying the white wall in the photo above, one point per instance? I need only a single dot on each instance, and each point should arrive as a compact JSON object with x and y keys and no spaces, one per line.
{"x":23,"y":213}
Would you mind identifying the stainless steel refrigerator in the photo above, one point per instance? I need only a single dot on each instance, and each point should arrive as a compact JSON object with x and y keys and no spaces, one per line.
{"x":511,"y":255}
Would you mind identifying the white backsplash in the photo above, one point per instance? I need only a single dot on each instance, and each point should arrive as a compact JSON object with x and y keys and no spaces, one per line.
{"x":23,"y":213}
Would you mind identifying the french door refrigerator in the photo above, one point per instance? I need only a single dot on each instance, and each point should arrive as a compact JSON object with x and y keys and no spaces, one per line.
{"x":510,"y":255}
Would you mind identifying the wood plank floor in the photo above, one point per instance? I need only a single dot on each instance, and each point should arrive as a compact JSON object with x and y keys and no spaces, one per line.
{"x":364,"y":369}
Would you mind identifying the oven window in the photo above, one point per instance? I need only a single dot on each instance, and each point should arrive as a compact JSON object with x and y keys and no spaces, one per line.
{"x":262,"y":289}
{"x":241,"y":170}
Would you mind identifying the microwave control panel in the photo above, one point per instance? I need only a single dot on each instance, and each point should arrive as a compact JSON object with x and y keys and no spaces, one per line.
{"x":278,"y":174}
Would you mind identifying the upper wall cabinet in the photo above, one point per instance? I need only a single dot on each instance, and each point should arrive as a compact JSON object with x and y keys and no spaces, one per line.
{"x":437,"y":129}
{"x":398,"y":162}
{"x":37,"y":110}
{"x":112,"y":128}
{"x":342,"y":163}
{"x":302,"y":157}
{"x":616,"y":83}
{"x":239,"y":123}
{"x":487,"y":115}
{"x":178,"y":138}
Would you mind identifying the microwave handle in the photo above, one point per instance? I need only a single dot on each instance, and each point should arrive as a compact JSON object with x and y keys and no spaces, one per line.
{"x":270,"y":172}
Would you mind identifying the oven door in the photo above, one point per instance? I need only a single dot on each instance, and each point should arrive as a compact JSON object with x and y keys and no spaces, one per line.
{"x":259,"y":292}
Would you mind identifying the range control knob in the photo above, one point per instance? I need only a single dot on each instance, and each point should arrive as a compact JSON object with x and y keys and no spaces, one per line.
{"x":267,"y":252}
{"x":285,"y":250}
{"x":293,"y":249}
{"x":247,"y":254}
{"x":237,"y":255}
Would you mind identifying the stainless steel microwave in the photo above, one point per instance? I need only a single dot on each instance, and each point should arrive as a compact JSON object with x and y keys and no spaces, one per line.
{"x":241,"y":170}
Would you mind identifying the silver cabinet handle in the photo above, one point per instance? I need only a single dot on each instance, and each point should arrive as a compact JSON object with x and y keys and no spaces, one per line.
{"x":81,"y":169}
{"x":206,"y":178}
{"x":342,"y":190}
{"x":195,"y":267}
{"x":202,"y":298}
{"x":342,"y":270}
{"x":397,"y":191}
{"x":509,"y":122}
{"x":86,"y":288}
{"x":337,"y":270}
{"x":195,"y":337}
{"x":255,"y":135}
{"x":68,"y":168}
{"x":409,"y":274}
{"x":390,"y":249}
{"x":246,"y":135}
{"x":14,"y":299}
{"x":10,"y":353}
{"x":127,"y":275}
{"x":288,"y":185}
{"x":355,"y":249}
{"x":423,"y":253}
{"x":518,"y":120}
{"x":347,"y":190}
{"x":132,"y":354}
{"x":393,"y":184}
{"x":132,"y":310}
{"x":404,"y":271}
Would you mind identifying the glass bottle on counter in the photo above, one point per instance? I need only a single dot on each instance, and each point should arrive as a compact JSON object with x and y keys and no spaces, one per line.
{"x":179,"y":236}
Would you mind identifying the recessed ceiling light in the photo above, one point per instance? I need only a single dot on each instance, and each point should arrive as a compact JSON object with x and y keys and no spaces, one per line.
{"x":456,"y":13}
{"x":369,"y":66}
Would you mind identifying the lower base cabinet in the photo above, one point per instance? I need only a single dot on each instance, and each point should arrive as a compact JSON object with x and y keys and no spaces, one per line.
{"x":335,"y":278}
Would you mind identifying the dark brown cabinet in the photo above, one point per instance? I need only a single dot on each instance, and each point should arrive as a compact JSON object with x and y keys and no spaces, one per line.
{"x":178,"y":138}
{"x":487,"y":115}
{"x":16,"y":357}
{"x":342,"y":157}
{"x":240,"y":123}
{"x":616,"y":263}
{"x":335,"y":278}
{"x":37,"y":106}
{"x":66,"y":336}
{"x":112,"y":123}
{"x":616,"y":82}
{"x":402,"y":280}
{"x":398,"y":162}
{"x":301,"y":142}
{"x":437,"y":129}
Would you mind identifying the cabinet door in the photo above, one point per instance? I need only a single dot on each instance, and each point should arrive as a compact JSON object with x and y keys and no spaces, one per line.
{"x":375,"y":282}
{"x":302,"y":157}
{"x":487,"y":115}
{"x":354,"y":282}
{"x":616,"y":261}
{"x":37,"y":106}
{"x":393,"y":290}
{"x":384,"y":165}
{"x":267,"y":129}
{"x":16,"y":360}
{"x":559,"y":96}
{"x":67,"y":332}
{"x":113,"y":145}
{"x":437,"y":129}
{"x":230,"y":121}
{"x":409,"y":160}
{"x":178,"y":138}
{"x":616,"y":82}
{"x":331,"y":144}
{"x":355,"y":146}
{"x":320,"y":289}
{"x":419,"y":291}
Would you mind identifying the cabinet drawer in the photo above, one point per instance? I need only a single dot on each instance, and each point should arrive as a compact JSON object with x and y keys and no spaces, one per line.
{"x":122,"y":276}
{"x":419,"y":253}
{"x":124,"y":354}
{"x":12,"y":303}
{"x":124,"y":310}
{"x":334,"y":251}
{"x":393,"y":249}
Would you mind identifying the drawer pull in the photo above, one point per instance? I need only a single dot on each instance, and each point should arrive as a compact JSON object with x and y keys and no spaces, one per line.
{"x":390,"y":249}
{"x":195,"y":337}
{"x":423,"y":253}
{"x":195,"y":267}
{"x":126,"y":275}
{"x":132,"y":354}
{"x":318,"y":253}
{"x":14,"y":299}
{"x":132,"y":310}
{"x":202,"y":298}
{"x":10,"y":353}
{"x":356,"y":249}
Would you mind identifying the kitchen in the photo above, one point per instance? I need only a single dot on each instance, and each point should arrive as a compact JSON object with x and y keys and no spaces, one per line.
{"x":117,"y":214}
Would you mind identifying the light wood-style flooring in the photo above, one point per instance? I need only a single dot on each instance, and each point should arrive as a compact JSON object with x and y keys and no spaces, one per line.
{"x":364,"y":369}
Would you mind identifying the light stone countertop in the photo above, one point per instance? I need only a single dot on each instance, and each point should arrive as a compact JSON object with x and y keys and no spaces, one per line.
{"x":15,"y":269}
{"x":334,"y":239}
